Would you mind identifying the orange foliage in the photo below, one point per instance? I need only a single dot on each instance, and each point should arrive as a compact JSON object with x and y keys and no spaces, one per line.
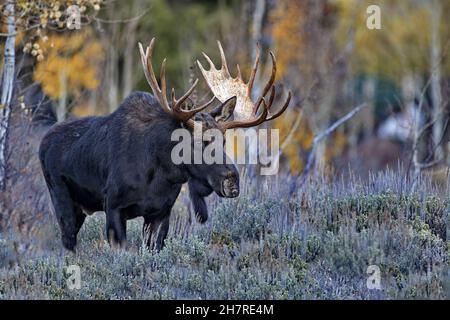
{"x":288,"y":20}
{"x":73,"y":57}
{"x":286,"y":32}
{"x":299,"y":140}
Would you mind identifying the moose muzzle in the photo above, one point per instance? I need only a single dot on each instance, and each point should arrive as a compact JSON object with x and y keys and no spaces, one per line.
{"x":230,"y":186}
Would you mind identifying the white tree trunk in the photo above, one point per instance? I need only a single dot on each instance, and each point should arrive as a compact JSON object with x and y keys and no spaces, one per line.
{"x":256,"y":34}
{"x":129,"y":51}
{"x":7,"y":89}
{"x":61,"y":112}
{"x":257,"y":25}
{"x":113,"y":87}
{"x":112,"y":61}
{"x":435,"y":85}
{"x":128,"y":65}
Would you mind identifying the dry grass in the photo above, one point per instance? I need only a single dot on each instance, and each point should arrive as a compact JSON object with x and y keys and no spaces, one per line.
{"x":269,"y":243}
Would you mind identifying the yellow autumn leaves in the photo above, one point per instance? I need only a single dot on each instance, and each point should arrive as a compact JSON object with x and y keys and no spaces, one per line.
{"x":286,"y":31}
{"x":74,"y":58}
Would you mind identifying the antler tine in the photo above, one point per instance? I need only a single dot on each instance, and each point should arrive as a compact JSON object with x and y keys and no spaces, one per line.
{"x":190,"y":122}
{"x":172,"y":94}
{"x":179,"y":102}
{"x":161,"y":92}
{"x":211,"y":64}
{"x":249,"y":122}
{"x":224,"y":86}
{"x":198,"y":109}
{"x":146,"y":59}
{"x":207,"y":104}
{"x":162,"y":77}
{"x":269,"y":82}
{"x":279,"y":112}
{"x":239,"y":72}
{"x":254,"y":70}
{"x":148,"y":67}
{"x":271,"y":97}
{"x":223,"y":59}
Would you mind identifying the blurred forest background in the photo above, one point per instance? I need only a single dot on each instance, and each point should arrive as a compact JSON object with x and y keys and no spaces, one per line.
{"x":326,"y":55}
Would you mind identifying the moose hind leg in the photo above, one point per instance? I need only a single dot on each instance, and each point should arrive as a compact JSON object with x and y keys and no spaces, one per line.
{"x":80,"y":217}
{"x":67,"y":215}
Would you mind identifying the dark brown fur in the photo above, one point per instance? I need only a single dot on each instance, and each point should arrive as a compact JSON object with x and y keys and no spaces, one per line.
{"x":121,"y":164}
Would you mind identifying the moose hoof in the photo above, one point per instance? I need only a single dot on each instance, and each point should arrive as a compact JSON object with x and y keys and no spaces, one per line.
{"x":202,"y":218}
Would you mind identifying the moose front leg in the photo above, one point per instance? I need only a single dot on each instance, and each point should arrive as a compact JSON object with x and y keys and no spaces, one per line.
{"x":154,"y":231}
{"x":116,"y":228}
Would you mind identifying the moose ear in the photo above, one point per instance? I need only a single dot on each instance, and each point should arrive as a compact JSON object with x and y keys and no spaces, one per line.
{"x":225,"y":110}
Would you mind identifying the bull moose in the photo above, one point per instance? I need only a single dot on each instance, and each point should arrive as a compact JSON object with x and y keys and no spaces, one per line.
{"x":121,"y":163}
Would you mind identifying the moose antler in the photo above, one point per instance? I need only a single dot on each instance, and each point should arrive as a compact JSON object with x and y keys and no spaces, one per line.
{"x":224,"y":86}
{"x":160,"y":92}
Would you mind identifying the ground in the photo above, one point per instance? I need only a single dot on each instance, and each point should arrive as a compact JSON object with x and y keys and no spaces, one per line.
{"x":273,"y":242}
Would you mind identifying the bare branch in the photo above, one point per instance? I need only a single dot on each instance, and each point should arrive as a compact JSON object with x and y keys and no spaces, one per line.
{"x":324,"y":134}
{"x":127,"y":20}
